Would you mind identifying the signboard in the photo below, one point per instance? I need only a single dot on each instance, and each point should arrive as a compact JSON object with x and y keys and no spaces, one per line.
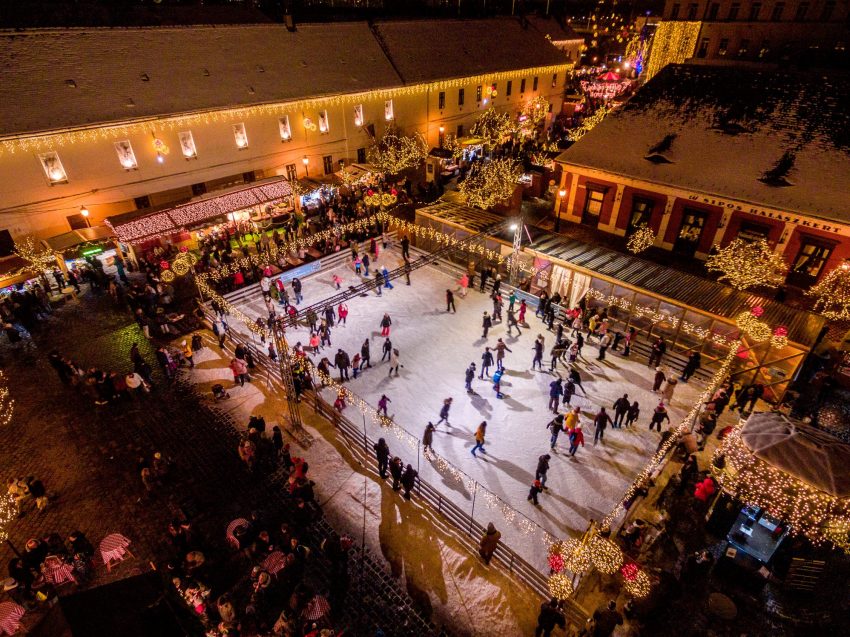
{"x":300,"y":272}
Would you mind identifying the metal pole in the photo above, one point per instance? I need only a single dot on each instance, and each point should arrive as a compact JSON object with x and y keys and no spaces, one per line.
{"x":516,"y":226}
{"x":472,"y":512}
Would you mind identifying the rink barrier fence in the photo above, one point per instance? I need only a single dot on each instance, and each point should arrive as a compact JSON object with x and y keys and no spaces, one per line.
{"x":465,"y":527}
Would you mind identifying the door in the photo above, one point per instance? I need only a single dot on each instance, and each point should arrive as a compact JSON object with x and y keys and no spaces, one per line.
{"x":592,"y":206}
{"x":690,"y":232}
{"x":640,"y":215}
{"x":809,"y":262}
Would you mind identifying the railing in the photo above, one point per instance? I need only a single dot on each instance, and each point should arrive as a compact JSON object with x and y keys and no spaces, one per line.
{"x":465,"y":527}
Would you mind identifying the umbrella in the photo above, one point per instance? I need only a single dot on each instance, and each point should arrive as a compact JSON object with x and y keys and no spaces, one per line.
{"x":610,"y":76}
{"x":317,"y":608}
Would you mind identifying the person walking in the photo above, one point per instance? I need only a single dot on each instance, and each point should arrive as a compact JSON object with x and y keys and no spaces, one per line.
{"x":634,"y":412}
{"x":621,"y":409}
{"x":542,"y":470}
{"x":659,"y":348}
{"x":444,"y":411}
{"x":489,"y":542}
{"x":382,"y":405}
{"x":501,"y":348}
{"x":469,"y":377}
{"x":386,"y":322}
{"x":396,"y":469}
{"x":296,"y":289}
{"x":479,"y":438}
{"x":538,"y":354}
{"x":668,"y":390}
{"x":556,"y":390}
{"x":600,"y":422}
{"x":408,"y":481}
{"x":364,"y":355}
{"x":497,"y":285}
{"x":536,"y":489}
{"x":387,"y":350}
{"x":512,"y":323}
{"x":220,"y":330}
{"x":693,"y":364}
{"x":606,"y":619}
{"x":405,"y":248}
{"x":628,"y":339}
{"x":428,"y":437}
{"x":576,"y":436}
{"x":485,"y":274}
{"x":555,"y":427}
{"x":365,"y":260}
{"x":604,"y":343}
{"x":486,"y":324}
{"x":394,"y":363}
{"x":463,"y":283}
{"x":342,"y":363}
{"x":379,"y":281}
{"x":188,"y":353}
{"x":659,"y":415}
{"x":240,"y":371}
{"x":549,"y":617}
{"x":450,"y":301}
{"x":486,"y":363}
{"x":382,"y":453}
{"x":576,"y":378}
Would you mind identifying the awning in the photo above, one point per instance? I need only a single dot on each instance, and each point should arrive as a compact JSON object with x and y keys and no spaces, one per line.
{"x":442,"y":153}
{"x":470,"y":141}
{"x":137,"y":226}
{"x":74,"y":238}
{"x":354,"y":172}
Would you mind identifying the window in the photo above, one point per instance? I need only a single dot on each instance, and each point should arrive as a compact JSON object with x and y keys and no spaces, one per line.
{"x":690,"y":232}
{"x":142,"y":202}
{"x":509,"y":87}
{"x":641,"y":213}
{"x":810,"y":261}
{"x":187,"y":144}
{"x":745,"y":46}
{"x":441,"y":100}
{"x":764,"y":49}
{"x":802,"y":10}
{"x":692,"y":11}
{"x":358,"y":115}
{"x":53,"y":168}
{"x":324,"y":123}
{"x":713,"y":10}
{"x":755,"y":9}
{"x":199,"y":189}
{"x":328,"y":164}
{"x":724,"y":47}
{"x":593,"y":205}
{"x":554,"y":80}
{"x":534,"y":84}
{"x":460,"y":96}
{"x":478,"y":93}
{"x":827,"y":11}
{"x":674,"y":12}
{"x":752,"y":232}
{"x":389,"y":111}
{"x":522,"y":86}
{"x":126,"y":156}
{"x":291,"y":172}
{"x":702,"y":51}
{"x":733,"y":11}
{"x":361,"y":155}
{"x":285,"y":130}
{"x":776,"y":14}
{"x":77,"y":221}
{"x":459,"y":131}
{"x":240,"y":136}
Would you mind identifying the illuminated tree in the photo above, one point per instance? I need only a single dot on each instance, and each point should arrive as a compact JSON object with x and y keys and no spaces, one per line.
{"x":532,"y":115}
{"x":746,"y":264}
{"x":394,"y":153}
{"x":38,"y":259}
{"x":493,"y":127}
{"x":491,"y":182}
{"x":832,"y":294}
{"x":587,"y":124}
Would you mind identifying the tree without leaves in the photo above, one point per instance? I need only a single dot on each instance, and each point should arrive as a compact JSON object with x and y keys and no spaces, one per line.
{"x":394,"y":153}
{"x":747,"y":264}
{"x":489,"y":183}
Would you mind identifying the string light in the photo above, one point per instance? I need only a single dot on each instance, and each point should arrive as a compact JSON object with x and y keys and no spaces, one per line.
{"x":560,"y":586}
{"x":635,"y":580}
{"x":605,"y":555}
{"x":394,"y":153}
{"x":490,"y":183}
{"x":493,"y":127}
{"x":7,"y":403}
{"x":276,"y":109}
{"x":532,"y":115}
{"x":38,"y":259}
{"x":673,"y":43}
{"x":641,"y":239}
{"x":588,"y":123}
{"x":747,"y":264}
{"x":8,"y":513}
{"x":832,"y":294}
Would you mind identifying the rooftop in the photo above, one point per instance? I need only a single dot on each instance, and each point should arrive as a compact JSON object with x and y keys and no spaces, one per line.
{"x":62,"y":78}
{"x":775,"y":139}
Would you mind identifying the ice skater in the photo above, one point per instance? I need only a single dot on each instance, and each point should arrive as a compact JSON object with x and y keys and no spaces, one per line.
{"x":365,"y":261}
{"x":428,"y":437}
{"x":621,"y":409}
{"x":342,"y":313}
{"x":634,"y":412}
{"x":382,"y":405}
{"x":576,"y":436}
{"x":497,"y":308}
{"x":387,"y":349}
{"x":523,"y":308}
{"x":365,"y":357}
{"x":470,"y":375}
{"x":501,"y":348}
{"x":342,"y":362}
{"x":382,"y":453}
{"x":479,"y":438}
{"x":379,"y":281}
{"x":486,"y":363}
{"x":659,"y":415}
{"x":538,"y":354}
{"x":575,"y":377}
{"x":600,"y":422}
{"x":450,"y":301}
{"x":386,"y":274}
{"x":464,"y":284}
{"x":386,"y":322}
{"x":394,"y":364}
{"x":556,"y":390}
{"x":497,"y":383}
{"x":444,"y":412}
{"x":555,"y":427}
{"x":536,"y":489}
{"x":512,"y":323}
{"x":542,"y":469}
{"x":486,"y":324}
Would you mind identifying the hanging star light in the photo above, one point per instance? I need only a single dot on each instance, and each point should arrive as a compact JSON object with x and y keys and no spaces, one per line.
{"x":747,"y":264}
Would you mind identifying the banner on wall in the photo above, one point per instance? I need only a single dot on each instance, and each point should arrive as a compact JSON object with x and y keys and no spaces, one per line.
{"x":301,"y":271}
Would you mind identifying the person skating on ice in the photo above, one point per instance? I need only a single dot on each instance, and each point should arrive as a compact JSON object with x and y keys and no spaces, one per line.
{"x":444,"y":412}
{"x":486,"y":363}
{"x":469,"y":377}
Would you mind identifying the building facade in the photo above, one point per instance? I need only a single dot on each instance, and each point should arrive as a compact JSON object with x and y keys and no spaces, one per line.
{"x":126,"y":119}
{"x":768,"y":31}
{"x":702,"y":155}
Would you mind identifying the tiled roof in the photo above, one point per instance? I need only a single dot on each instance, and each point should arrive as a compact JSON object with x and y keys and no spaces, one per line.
{"x":725,"y":128}
{"x":426,"y":50}
{"x":59,"y":78}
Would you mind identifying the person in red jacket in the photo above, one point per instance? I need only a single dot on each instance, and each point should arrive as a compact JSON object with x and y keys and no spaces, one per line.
{"x":576,"y":437}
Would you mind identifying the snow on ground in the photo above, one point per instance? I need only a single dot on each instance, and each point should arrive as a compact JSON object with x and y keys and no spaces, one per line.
{"x":435,"y":349}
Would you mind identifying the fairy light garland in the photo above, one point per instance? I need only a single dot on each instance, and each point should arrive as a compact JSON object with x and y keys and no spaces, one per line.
{"x":641,"y":239}
{"x":492,"y":126}
{"x":560,"y":587}
{"x":394,"y":153}
{"x":8,"y":513}
{"x":747,"y":264}
{"x":605,"y":555}
{"x":832,"y":294}
{"x":588,"y":124}
{"x":673,"y":43}
{"x":490,"y":183}
{"x":635,"y":580}
{"x":7,"y":403}
{"x":38,"y":260}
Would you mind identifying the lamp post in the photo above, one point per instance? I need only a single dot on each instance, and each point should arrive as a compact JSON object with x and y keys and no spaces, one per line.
{"x":561,"y":194}
{"x":85,"y":212}
{"x":306,"y":162}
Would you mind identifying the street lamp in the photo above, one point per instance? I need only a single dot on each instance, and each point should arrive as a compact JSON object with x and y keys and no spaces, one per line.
{"x":85,"y":212}
{"x":561,"y":194}
{"x":305,"y":161}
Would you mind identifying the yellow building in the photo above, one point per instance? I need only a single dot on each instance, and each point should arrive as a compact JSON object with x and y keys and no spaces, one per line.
{"x":116,"y":120}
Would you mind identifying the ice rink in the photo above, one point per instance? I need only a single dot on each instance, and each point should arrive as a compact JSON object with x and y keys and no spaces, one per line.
{"x":435,"y":349}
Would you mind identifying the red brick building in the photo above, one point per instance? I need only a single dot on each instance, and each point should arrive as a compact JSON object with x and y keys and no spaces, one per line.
{"x":705,"y":154}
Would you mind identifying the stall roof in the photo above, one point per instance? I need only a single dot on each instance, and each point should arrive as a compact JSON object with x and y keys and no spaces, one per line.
{"x":142,"y":224}
{"x":72,"y":239}
{"x":809,"y":454}
{"x":442,"y":153}
{"x":686,"y":289}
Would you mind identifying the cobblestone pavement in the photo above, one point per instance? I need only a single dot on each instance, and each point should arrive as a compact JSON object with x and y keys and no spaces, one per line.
{"x":87,"y":456}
